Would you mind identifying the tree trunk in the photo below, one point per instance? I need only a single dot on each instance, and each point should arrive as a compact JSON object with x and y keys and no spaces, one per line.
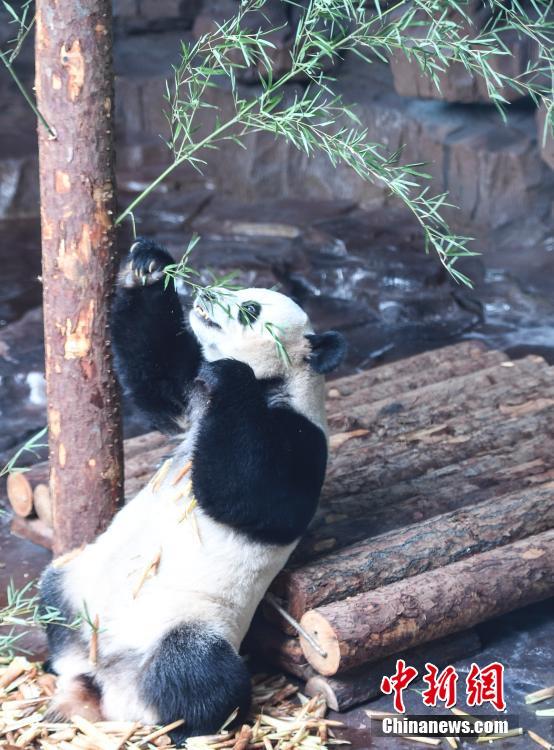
{"x":378,"y":623}
{"x":74,"y":85}
{"x":364,"y":683}
{"x":415,"y":549}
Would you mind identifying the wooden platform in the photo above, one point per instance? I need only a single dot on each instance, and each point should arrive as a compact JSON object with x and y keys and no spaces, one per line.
{"x":437,"y":513}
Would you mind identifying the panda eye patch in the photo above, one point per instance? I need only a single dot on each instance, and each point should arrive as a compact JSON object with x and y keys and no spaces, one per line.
{"x":248,"y":312}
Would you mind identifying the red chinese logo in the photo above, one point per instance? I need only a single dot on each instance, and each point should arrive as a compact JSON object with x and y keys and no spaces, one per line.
{"x":486,"y":686}
{"x":442,"y":687}
{"x":398,"y":682}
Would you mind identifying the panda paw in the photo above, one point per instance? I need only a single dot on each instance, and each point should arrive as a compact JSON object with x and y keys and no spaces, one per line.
{"x":227,"y":377}
{"x":144,"y":264}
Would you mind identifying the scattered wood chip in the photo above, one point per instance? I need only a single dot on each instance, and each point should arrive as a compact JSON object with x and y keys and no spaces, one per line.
{"x":150,"y":570}
{"x":544,"y":712}
{"x":335,"y":441}
{"x":452,"y":742}
{"x":244,"y":738}
{"x":459,"y":712}
{"x":161,"y":474}
{"x":93,"y":648}
{"x":188,"y":510}
{"x":540,"y":695}
{"x":380,"y":714}
{"x":182,"y":473}
{"x":540,"y":740}
{"x":100,"y":739}
{"x":62,"y":560}
{"x":422,"y":740}
{"x":281,"y":719}
{"x":18,"y":666}
{"x":493,"y":737}
{"x":159,"y":732}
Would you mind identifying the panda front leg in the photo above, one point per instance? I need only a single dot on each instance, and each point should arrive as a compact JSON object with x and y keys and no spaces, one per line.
{"x":157,"y":357}
{"x":256,"y":468}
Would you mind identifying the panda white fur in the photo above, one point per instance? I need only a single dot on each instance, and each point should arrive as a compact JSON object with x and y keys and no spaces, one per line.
{"x":175,"y":580}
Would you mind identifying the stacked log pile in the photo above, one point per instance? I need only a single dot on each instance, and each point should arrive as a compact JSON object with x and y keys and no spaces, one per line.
{"x":437,"y":513}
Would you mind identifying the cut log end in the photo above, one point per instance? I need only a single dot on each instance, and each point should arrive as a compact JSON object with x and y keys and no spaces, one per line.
{"x":42,"y":503}
{"x":328,"y":661}
{"x":318,"y":685}
{"x":20,"y":494}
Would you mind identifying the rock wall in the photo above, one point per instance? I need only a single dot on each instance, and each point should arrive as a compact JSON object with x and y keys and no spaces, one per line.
{"x":493,"y":171}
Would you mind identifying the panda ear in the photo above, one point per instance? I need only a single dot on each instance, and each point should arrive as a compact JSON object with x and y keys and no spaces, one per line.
{"x":328,"y":350}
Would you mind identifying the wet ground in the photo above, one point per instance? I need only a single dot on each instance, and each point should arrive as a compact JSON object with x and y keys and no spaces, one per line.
{"x":363,"y":273}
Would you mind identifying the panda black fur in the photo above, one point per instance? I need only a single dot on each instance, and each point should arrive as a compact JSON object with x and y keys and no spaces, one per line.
{"x":256,"y":440}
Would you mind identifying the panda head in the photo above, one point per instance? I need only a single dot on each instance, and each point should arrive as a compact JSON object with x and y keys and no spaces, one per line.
{"x":254,"y":325}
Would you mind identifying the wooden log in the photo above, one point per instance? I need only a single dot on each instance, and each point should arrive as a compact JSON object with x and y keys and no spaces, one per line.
{"x":20,"y":494}
{"x":268,"y":644}
{"x":446,"y":438}
{"x":378,"y":623}
{"x":498,"y":471}
{"x":440,"y":444}
{"x":349,"y":516}
{"x":437,"y":402}
{"x":414,"y":549}
{"x":43,"y":503}
{"x":369,"y":385}
{"x":417,"y":366}
{"x":452,"y":362}
{"x":364,"y":683}
{"x":522,"y":469}
{"x":142,"y":455}
{"x":32,"y":529}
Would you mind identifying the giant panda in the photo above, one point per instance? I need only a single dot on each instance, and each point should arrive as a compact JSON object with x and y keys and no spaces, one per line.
{"x":169,"y":590}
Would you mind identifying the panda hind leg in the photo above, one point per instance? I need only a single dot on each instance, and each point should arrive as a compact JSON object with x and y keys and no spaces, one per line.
{"x":76,"y":689}
{"x":196,"y":675}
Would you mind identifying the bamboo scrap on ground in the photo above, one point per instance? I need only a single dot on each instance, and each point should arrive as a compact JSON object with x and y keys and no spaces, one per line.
{"x":280,"y":717}
{"x":407,"y":613}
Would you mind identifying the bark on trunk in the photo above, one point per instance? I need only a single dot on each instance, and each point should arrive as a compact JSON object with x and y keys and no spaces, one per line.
{"x":74,"y":85}
{"x":364,"y":683}
{"x":372,"y":625}
{"x":436,"y":402}
{"x":415,"y":549}
{"x":438,"y":365}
